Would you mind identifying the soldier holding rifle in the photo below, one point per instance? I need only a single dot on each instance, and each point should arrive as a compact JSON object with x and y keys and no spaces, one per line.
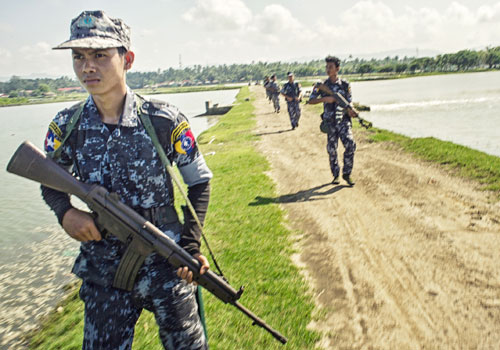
{"x":293,"y":95}
{"x":274,"y":89}
{"x":337,"y":119}
{"x":104,"y":141}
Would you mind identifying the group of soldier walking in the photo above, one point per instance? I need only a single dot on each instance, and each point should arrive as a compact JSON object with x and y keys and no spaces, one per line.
{"x":336,"y":116}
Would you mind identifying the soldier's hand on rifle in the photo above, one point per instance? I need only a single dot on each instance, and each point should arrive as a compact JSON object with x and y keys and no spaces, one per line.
{"x":353,"y":113}
{"x":80,"y":225}
{"x":329,"y":99}
{"x":186,"y":274}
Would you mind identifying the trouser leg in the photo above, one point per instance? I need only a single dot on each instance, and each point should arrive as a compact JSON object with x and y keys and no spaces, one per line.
{"x":110,"y":317}
{"x":346,"y":136}
{"x":331,"y":148}
{"x":174,"y":305}
{"x":294,"y":112}
{"x":276,"y":102}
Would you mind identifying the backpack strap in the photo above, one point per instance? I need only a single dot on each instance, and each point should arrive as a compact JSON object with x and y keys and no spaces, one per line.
{"x":69,"y":128}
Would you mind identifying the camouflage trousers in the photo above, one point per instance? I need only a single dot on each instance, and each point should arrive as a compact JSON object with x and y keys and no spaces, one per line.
{"x":276,"y":102}
{"x":111,"y":314}
{"x":343,"y":130}
{"x":294,"y":112}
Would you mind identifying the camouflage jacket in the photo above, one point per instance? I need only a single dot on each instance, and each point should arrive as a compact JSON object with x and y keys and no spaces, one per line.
{"x":125,"y":162}
{"x":291,"y":89}
{"x":331,"y":110}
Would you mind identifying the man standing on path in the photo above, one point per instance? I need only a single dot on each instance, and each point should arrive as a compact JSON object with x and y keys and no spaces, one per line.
{"x":337,"y":120}
{"x":267,"y":81}
{"x":105,"y":141}
{"x":293,"y":95}
{"x":275,"y":93}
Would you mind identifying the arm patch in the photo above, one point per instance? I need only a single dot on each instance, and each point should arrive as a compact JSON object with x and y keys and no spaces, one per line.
{"x":183,"y":138}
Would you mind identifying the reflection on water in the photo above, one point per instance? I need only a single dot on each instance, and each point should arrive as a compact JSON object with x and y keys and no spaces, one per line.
{"x":461,"y":108}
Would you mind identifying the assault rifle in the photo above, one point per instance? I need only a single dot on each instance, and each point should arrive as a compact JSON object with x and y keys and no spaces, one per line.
{"x":113,"y":216}
{"x":342,"y":103}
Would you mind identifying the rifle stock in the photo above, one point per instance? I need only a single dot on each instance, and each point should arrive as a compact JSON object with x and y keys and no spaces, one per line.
{"x":118,"y":219}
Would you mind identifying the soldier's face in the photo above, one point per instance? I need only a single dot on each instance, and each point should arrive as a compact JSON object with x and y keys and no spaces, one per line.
{"x":101,"y":71}
{"x":331,"y":69}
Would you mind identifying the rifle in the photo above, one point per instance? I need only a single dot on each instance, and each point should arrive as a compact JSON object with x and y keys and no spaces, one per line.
{"x":343,"y":103}
{"x":297,"y":98}
{"x":113,"y":216}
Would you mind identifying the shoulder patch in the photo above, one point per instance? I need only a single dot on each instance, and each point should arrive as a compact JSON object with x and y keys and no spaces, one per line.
{"x":53,"y":138}
{"x":183,"y":138}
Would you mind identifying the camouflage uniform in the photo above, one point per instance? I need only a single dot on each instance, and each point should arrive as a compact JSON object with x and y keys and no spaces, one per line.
{"x":292,"y":90}
{"x":126,"y":162}
{"x":339,"y":126}
{"x":268,"y":92}
{"x":275,"y":95}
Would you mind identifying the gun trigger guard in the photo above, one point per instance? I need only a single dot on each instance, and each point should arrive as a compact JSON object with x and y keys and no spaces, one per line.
{"x":101,"y":228}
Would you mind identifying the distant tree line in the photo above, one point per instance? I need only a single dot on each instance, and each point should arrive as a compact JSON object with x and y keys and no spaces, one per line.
{"x":17,"y":86}
{"x":463,"y":60}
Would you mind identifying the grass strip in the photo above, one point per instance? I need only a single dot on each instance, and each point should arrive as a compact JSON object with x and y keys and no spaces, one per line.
{"x":461,"y":160}
{"x":252,"y":247}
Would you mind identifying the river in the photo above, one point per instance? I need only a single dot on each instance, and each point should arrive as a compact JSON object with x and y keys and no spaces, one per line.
{"x":461,"y":108}
{"x":33,"y":247}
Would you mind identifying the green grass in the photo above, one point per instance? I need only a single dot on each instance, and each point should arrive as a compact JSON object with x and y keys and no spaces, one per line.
{"x":462,"y":161}
{"x":252,"y":247}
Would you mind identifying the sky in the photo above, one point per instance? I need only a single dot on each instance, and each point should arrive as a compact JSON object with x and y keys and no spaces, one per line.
{"x":180,"y":33}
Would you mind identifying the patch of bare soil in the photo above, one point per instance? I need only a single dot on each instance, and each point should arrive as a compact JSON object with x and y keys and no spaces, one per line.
{"x":408,"y":258}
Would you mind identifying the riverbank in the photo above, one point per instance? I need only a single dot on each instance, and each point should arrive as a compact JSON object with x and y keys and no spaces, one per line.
{"x":380,"y":258}
{"x":21,"y":101}
{"x":407,"y":258}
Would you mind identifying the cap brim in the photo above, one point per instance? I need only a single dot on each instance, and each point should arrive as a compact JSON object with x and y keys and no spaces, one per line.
{"x":89,"y":43}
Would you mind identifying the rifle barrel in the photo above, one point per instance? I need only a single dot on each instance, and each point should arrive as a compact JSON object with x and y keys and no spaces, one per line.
{"x":260,"y":322}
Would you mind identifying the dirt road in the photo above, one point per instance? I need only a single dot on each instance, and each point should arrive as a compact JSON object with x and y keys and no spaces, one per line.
{"x":409,"y":258}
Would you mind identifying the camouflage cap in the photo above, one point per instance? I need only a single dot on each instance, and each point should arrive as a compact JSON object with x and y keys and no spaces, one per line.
{"x":95,"y":30}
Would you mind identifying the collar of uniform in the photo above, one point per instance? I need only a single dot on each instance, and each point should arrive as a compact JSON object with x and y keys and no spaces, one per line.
{"x":338,"y":81}
{"x":129,"y":116}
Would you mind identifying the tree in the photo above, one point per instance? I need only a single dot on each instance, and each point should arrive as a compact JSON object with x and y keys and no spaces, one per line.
{"x":366,"y":68}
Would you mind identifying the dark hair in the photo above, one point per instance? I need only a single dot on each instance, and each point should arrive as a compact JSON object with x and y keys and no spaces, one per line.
{"x":122,"y":51}
{"x":273,"y":76}
{"x":333,"y":59}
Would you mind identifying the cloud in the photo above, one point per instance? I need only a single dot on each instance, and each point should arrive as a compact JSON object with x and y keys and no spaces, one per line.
{"x":277,"y":24}
{"x":372,"y":26}
{"x":5,"y":54}
{"x":39,"y":58}
{"x":219,"y":14}
{"x":489,"y":14}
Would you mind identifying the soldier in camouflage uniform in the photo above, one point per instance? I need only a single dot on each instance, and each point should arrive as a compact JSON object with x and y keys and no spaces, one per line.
{"x":267,"y":81}
{"x":337,"y":120}
{"x":275,"y":93}
{"x":109,"y":146}
{"x":293,"y":95}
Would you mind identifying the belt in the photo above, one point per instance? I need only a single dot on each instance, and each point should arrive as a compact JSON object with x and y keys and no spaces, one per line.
{"x":158,"y":216}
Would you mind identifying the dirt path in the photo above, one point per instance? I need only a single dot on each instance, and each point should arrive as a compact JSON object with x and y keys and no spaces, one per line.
{"x":409,"y":258}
